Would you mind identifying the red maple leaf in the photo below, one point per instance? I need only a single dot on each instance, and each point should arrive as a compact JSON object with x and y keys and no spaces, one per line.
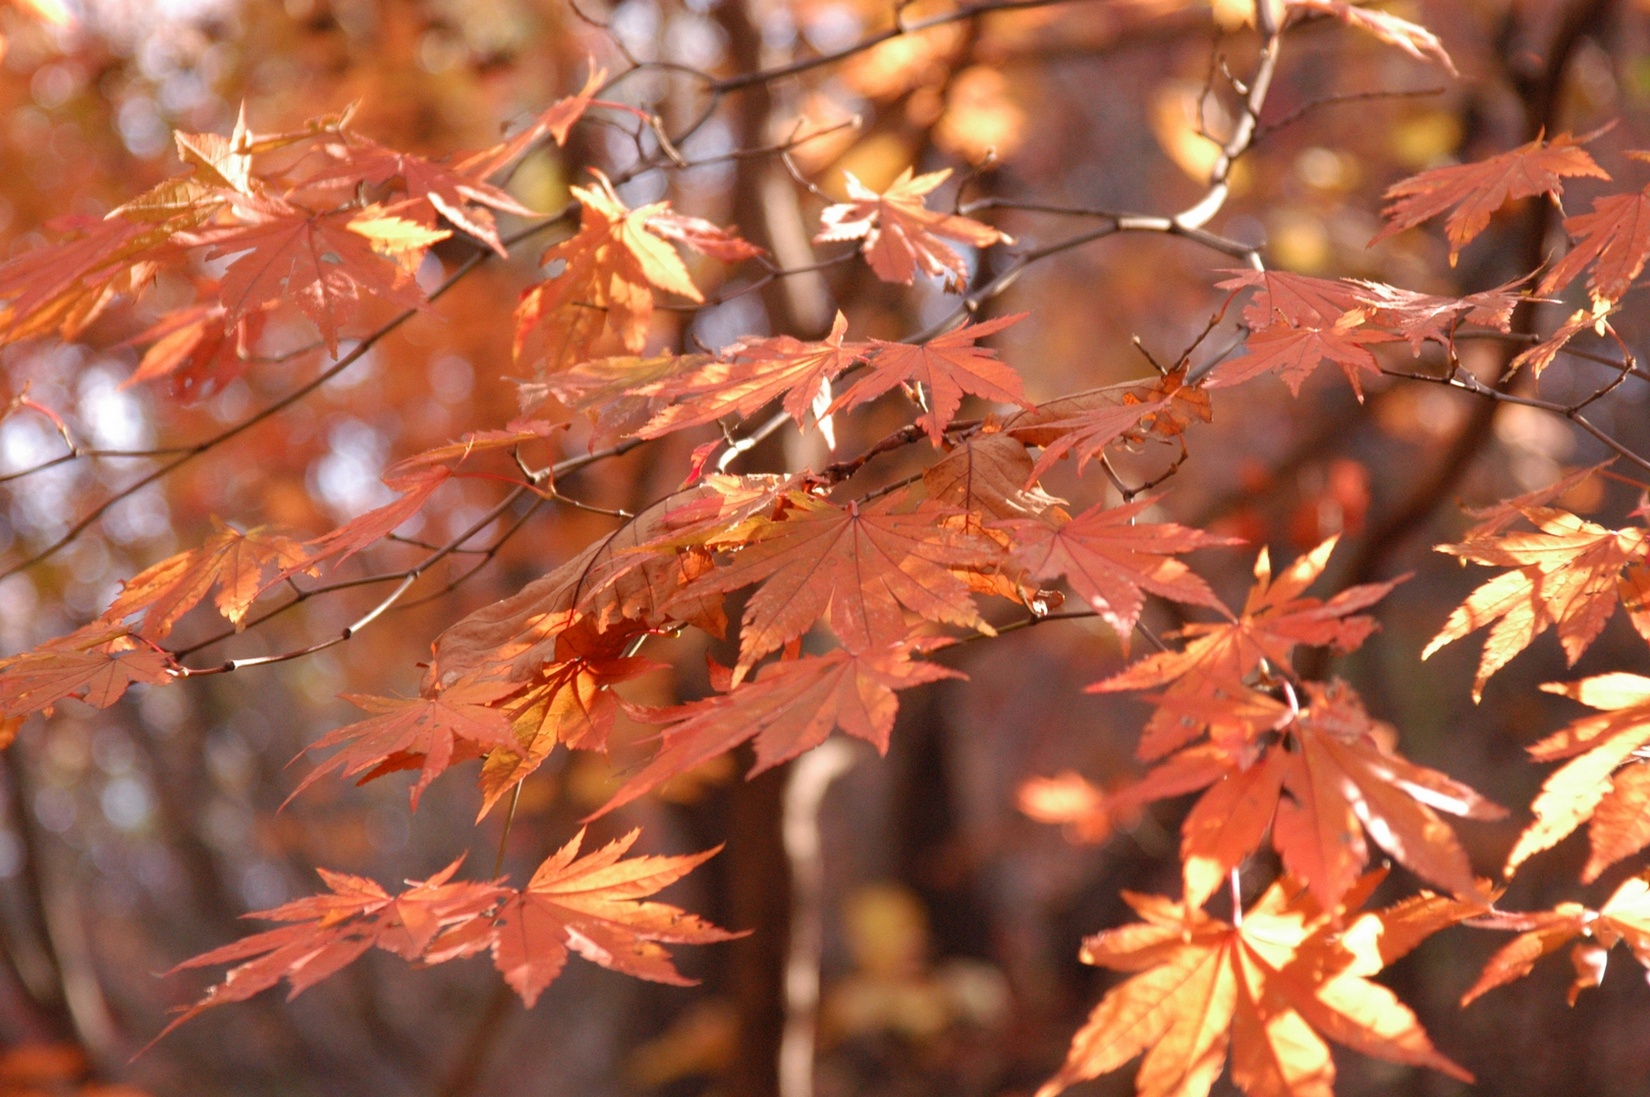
{"x":752,"y":374}
{"x":1112,"y":562}
{"x":1295,"y":352}
{"x":592,"y":905}
{"x":1475,"y":191}
{"x":463,"y":197}
{"x":860,"y":566}
{"x":788,"y":709}
{"x":568,"y":700}
{"x":1614,"y":239}
{"x":330,"y":931}
{"x":316,"y":261}
{"x":1218,"y":657}
{"x":95,"y":665}
{"x":946,"y":367}
{"x":430,"y":733}
{"x":1086,"y":423}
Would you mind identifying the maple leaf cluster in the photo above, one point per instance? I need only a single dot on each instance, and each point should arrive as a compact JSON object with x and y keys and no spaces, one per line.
{"x":836,"y":588}
{"x":594,"y":905}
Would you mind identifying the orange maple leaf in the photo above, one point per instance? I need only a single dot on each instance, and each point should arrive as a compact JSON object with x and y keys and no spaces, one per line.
{"x":330,"y":931}
{"x":461,"y":195}
{"x":611,"y":267}
{"x":1218,"y":657}
{"x":1086,"y":423}
{"x":195,"y":350}
{"x":95,"y":664}
{"x":1318,"y":777}
{"x":901,"y":234}
{"x":946,"y":367}
{"x":1475,"y":191}
{"x":983,"y":479}
{"x":1295,"y":352}
{"x":1112,"y":562}
{"x":1568,"y":574}
{"x":316,"y":261}
{"x":430,"y":733}
{"x":751,"y":374}
{"x":789,"y":708}
{"x":234,"y":562}
{"x":1262,"y":990}
{"x":594,"y":906}
{"x":568,"y":700}
{"x":860,"y":566}
{"x":555,"y":121}
{"x":1625,"y":916}
{"x":1614,"y":239}
{"x":1603,"y":784}
{"x":620,"y":583}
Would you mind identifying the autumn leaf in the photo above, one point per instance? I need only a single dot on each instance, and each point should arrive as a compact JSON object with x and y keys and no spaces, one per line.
{"x":1604,"y":781}
{"x":1086,"y":423}
{"x":1567,"y":575}
{"x":416,"y":485}
{"x":750,"y":375}
{"x":859,"y":566}
{"x":95,"y":665}
{"x":1625,"y":916}
{"x":555,"y":122}
{"x":521,"y":432}
{"x":1266,"y":991}
{"x":1419,"y":317}
{"x":568,"y":700}
{"x":328,"y":932}
{"x":462,"y":196}
{"x":610,"y":269}
{"x":195,"y":351}
{"x":1472,"y":192}
{"x":429,"y":733}
{"x":621,"y":582}
{"x":1412,"y":38}
{"x":1295,"y":352}
{"x":789,"y":708}
{"x":1299,"y":302}
{"x":1341,"y":779}
{"x":945,"y":367}
{"x":318,"y":262}
{"x":1275,"y":619}
{"x":984,"y":480}
{"x":595,"y":906}
{"x":235,"y":563}
{"x":1112,"y":562}
{"x":63,"y":286}
{"x":1492,"y":519}
{"x":901,"y":234}
{"x":1317,"y":777}
{"x":704,"y":237}
{"x":1614,"y":239}
{"x":1540,"y":356}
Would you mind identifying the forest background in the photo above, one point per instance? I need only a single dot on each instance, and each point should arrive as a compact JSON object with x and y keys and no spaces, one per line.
{"x":950,"y":905}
